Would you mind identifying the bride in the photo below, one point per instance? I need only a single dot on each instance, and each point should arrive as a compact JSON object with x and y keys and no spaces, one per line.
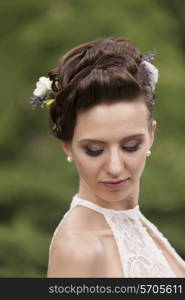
{"x":101,"y":98}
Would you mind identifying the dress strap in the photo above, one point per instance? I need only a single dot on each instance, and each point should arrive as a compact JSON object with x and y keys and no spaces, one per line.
{"x":79,"y":201}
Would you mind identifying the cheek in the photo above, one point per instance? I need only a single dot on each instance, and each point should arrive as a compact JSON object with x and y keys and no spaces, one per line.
{"x":137,"y":163}
{"x":87,"y":168}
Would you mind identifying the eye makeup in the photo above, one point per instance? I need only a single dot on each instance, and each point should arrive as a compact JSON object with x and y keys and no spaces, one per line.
{"x":91,"y":152}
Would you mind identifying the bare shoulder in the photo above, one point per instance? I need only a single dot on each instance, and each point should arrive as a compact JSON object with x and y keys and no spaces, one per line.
{"x":77,"y":256}
{"x":77,"y":250}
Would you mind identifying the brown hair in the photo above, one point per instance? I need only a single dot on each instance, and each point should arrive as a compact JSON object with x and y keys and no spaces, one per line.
{"x":105,"y":70}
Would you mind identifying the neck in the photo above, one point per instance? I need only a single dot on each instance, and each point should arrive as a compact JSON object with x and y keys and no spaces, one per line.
{"x":110,"y":200}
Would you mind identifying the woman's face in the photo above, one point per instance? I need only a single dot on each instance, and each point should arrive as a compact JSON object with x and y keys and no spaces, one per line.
{"x":110,"y":143}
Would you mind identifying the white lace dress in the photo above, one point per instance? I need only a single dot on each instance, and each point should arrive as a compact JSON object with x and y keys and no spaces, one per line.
{"x":140,"y":256}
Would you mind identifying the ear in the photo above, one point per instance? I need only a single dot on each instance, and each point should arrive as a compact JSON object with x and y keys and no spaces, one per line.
{"x":152,"y":132}
{"x":67,"y":148}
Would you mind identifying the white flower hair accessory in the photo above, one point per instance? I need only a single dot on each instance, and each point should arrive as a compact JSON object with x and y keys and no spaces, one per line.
{"x":152,"y":71}
{"x":153,"y":74}
{"x":43,"y":94}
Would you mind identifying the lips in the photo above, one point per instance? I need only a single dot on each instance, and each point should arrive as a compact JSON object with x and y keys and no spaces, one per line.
{"x":115,"y":184}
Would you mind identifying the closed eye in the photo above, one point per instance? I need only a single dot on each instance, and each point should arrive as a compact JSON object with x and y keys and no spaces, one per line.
{"x":131,"y":149}
{"x":98,"y":152}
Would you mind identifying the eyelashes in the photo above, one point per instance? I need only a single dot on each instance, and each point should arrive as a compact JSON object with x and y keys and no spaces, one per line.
{"x":98,"y":152}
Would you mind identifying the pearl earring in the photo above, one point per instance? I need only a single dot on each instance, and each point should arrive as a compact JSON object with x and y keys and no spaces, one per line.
{"x":148,"y":153}
{"x":69,"y":159}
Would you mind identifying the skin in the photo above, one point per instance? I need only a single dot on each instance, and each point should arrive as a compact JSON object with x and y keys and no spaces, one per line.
{"x":110,"y":124}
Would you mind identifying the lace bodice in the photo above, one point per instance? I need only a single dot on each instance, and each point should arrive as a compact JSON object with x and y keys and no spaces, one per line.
{"x":139,"y":254}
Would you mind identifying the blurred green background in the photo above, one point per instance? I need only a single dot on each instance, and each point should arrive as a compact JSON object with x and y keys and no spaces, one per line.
{"x":36,"y":181}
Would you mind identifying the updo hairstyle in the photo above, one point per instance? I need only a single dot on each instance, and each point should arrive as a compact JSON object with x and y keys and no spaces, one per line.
{"x":103,"y":71}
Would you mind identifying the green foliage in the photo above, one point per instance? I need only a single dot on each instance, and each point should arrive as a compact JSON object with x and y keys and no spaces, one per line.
{"x":36,"y":182}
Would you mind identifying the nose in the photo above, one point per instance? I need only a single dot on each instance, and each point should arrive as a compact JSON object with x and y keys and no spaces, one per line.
{"x":115,"y":164}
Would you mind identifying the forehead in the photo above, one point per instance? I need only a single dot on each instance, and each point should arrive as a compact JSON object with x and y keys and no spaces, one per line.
{"x":112,"y":120}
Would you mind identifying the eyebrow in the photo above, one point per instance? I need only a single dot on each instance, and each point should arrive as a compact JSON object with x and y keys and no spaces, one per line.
{"x":125,"y":139}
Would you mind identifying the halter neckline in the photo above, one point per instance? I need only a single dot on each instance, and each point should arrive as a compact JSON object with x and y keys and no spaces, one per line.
{"x":77,"y":200}
{"x":139,"y":252}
